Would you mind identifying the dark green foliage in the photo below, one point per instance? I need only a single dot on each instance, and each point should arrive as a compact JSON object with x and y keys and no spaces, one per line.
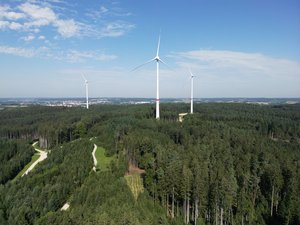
{"x":226,"y":164}
{"x":14,"y":155}
{"x":50,"y":185}
{"x":106,"y":199}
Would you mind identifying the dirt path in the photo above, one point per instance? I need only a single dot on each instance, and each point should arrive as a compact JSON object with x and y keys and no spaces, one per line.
{"x":94,"y":157}
{"x":43,"y":156}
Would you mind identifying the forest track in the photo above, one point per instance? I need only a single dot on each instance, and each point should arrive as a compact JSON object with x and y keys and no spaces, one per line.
{"x":43,"y":156}
{"x":94,"y":157}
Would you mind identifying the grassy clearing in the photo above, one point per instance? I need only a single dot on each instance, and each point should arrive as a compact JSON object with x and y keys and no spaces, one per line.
{"x":33,"y":159}
{"x":103,"y":161}
{"x":135,"y":184}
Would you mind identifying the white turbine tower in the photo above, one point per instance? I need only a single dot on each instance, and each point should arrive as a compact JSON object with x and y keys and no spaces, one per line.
{"x":192,"y":91}
{"x":158,"y":60}
{"x":86,"y":91}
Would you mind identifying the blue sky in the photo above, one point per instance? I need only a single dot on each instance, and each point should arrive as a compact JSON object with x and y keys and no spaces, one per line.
{"x":236,"y":48}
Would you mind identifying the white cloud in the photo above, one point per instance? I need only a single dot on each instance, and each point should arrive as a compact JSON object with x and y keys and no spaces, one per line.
{"x":36,"y":12}
{"x":81,"y":56}
{"x":99,"y":13}
{"x":41,"y":37}
{"x":28,"y":53}
{"x":36,"y":23}
{"x":10,"y":25}
{"x":6,"y":13}
{"x":108,"y":27}
{"x":72,"y":56}
{"x":4,"y":24}
{"x":237,"y":62}
{"x":15,"y":26}
{"x":39,"y":16}
{"x":43,"y":16}
{"x":103,"y":9}
{"x":32,"y":16}
{"x":29,"y":38}
{"x":67,"y":28}
{"x":115,"y":29}
{"x":4,"y":8}
{"x":55,"y":1}
{"x":235,"y":74}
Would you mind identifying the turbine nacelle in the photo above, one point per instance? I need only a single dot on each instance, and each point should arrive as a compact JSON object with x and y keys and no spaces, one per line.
{"x":191,"y":74}
{"x":85,"y":80}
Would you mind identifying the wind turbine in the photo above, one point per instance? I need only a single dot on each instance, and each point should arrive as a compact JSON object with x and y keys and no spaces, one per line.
{"x":158,"y":60}
{"x":192,"y":90}
{"x":86,"y":91}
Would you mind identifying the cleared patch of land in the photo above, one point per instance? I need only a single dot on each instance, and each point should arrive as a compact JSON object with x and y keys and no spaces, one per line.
{"x":103,"y":161}
{"x":134,"y":180}
{"x":135,"y":184}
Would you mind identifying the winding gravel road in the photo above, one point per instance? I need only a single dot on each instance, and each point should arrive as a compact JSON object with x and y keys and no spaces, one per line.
{"x":94,"y":157}
{"x":43,"y":156}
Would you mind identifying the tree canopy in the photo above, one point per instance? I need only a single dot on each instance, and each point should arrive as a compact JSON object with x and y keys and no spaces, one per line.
{"x":224,"y":164}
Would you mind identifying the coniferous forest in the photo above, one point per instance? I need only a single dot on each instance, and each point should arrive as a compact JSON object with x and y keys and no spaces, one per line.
{"x":227,"y":164}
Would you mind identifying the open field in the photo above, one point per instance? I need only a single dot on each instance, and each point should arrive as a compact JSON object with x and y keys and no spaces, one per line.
{"x":102,"y":159}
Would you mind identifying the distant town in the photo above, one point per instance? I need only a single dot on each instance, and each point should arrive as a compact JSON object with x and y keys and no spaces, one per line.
{"x":80,"y":102}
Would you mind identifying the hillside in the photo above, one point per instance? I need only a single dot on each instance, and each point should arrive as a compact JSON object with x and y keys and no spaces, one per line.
{"x":225,"y":164}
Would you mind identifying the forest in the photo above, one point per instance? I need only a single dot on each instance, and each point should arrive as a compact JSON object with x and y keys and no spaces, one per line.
{"x":226,"y":164}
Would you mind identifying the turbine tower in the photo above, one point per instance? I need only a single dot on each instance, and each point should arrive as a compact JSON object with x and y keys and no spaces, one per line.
{"x":192,"y":91}
{"x":158,"y":60}
{"x":86,"y":91}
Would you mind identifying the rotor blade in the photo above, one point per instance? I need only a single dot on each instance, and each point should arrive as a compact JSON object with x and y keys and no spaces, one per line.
{"x":143,"y":64}
{"x":165,"y":64}
{"x":157,"y":51}
{"x":192,"y":75}
{"x":84,"y":77}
